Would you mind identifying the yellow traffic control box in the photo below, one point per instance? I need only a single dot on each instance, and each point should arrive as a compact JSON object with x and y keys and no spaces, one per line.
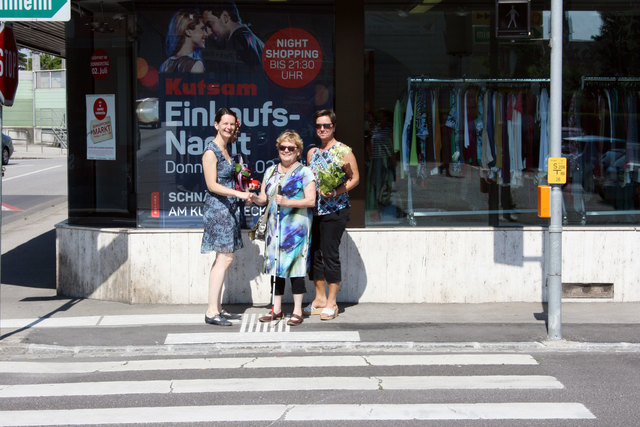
{"x":544,"y":201}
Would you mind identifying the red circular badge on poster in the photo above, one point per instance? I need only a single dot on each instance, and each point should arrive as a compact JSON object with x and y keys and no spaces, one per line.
{"x":100,"y":109}
{"x":292,"y":57}
{"x":100,"y":64}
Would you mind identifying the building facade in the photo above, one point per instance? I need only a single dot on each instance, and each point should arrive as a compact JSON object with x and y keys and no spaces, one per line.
{"x":39,"y":112}
{"x":445,"y":104}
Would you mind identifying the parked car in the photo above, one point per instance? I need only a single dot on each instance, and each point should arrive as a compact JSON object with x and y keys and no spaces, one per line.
{"x":7,"y":148}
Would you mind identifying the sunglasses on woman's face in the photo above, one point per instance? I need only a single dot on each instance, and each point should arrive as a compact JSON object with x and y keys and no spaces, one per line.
{"x":287,"y":148}
{"x":324,"y":125}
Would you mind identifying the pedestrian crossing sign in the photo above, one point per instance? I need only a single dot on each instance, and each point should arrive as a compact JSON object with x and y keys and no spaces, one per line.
{"x":513,"y":18}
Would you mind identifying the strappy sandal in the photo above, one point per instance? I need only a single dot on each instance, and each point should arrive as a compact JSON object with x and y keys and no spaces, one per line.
{"x":271,"y":317}
{"x":328,"y":313}
{"x":295,"y":320}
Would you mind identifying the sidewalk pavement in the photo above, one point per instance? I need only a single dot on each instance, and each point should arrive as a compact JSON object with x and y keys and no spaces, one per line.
{"x":35,"y":321}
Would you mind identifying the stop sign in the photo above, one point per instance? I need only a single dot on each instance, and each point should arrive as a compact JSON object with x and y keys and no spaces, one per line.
{"x":8,"y":66}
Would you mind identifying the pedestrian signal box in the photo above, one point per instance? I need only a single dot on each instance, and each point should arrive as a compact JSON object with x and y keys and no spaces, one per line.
{"x":544,"y":201}
{"x":513,"y":19}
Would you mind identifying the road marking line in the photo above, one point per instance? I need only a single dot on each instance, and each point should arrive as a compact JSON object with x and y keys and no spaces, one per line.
{"x":230,"y":385}
{"x":34,"y":367}
{"x":30,"y":173}
{"x":51,"y":322}
{"x":234,"y":337}
{"x":9,"y":208}
{"x":230,"y":413}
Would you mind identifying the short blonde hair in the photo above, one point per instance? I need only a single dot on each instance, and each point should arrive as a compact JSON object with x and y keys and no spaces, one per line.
{"x":292,"y":136}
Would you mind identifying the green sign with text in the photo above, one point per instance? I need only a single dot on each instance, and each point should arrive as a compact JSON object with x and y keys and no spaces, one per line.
{"x":35,"y":10}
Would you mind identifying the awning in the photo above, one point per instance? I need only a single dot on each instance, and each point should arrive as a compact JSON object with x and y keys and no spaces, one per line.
{"x":47,"y":37}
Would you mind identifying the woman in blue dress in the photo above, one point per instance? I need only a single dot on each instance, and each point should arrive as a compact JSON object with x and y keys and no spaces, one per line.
{"x":291,"y":188}
{"x":221,"y":212}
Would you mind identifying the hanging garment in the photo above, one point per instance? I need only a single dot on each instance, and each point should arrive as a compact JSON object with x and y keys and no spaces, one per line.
{"x":413,"y":152}
{"x":407,"y":131}
{"x":543,"y":116}
{"x":398,"y":114}
{"x":488,"y":152}
{"x":479,"y":125}
{"x":515,"y":143}
{"x":498,"y":131}
{"x":529,"y":155}
{"x":453,"y":123}
{"x":506,"y":163}
{"x":631,"y":148}
{"x":612,"y":126}
{"x":422,"y":128}
{"x":435,"y":117}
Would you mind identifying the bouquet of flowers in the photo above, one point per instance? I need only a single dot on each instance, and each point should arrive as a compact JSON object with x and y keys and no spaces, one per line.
{"x":243,"y":177}
{"x":331,"y":177}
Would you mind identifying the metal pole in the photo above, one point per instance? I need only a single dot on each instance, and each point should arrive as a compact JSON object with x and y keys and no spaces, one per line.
{"x":554,"y":280}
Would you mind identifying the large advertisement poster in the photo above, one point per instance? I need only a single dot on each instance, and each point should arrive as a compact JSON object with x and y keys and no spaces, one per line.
{"x":271,"y":64}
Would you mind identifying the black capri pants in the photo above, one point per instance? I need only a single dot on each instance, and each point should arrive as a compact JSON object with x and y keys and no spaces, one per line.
{"x":326,"y":233}
{"x":297,"y":285}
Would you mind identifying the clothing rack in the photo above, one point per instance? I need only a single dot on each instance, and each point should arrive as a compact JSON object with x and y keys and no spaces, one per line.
{"x":475,"y":81}
{"x":411,"y":212}
{"x":608,"y":79}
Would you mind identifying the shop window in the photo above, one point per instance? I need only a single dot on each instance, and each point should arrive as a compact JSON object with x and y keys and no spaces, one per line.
{"x":458,"y":130}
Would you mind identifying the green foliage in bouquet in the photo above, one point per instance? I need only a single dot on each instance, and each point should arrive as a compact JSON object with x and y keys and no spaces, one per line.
{"x":332,"y":177}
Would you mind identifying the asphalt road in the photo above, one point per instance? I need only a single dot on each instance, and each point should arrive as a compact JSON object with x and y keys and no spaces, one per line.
{"x":32,"y":185}
{"x":373,"y":389}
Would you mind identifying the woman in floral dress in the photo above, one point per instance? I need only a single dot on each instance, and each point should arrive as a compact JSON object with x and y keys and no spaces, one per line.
{"x":292,"y":190}
{"x":221,"y":212}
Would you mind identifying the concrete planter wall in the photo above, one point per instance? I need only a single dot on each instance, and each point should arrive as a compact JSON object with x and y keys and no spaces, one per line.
{"x":408,"y":265}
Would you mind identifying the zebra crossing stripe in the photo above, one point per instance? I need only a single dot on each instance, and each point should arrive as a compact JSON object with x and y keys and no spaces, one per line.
{"x":342,"y":412}
{"x":229,"y":385}
{"x":262,"y":336}
{"x":266,"y":362}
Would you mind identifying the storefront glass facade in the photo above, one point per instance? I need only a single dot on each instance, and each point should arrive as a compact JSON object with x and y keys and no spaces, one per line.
{"x":457,"y":114}
{"x":455,"y":117}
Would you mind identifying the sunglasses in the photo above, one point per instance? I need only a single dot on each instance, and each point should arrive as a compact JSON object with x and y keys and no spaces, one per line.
{"x":287,"y":148}
{"x":324,"y":125}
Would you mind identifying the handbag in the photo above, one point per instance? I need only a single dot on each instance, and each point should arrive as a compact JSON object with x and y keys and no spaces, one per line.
{"x":259,"y":231}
